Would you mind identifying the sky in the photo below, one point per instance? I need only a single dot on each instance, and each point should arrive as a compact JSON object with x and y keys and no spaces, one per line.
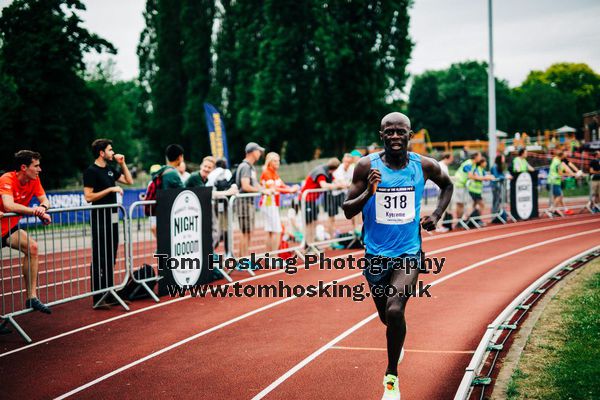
{"x":528,"y":34}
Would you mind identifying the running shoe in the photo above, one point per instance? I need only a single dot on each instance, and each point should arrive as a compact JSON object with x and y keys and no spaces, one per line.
{"x":391,"y":391}
{"x":36,"y":304}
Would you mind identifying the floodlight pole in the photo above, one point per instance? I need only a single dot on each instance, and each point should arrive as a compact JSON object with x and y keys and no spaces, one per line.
{"x":491,"y":93}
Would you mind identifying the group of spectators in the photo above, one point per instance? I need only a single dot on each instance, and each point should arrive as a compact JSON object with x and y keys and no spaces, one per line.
{"x":18,"y":187}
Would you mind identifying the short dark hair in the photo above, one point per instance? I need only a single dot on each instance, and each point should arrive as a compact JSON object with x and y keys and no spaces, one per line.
{"x":521,"y":151}
{"x":221,"y":163}
{"x":446,"y":155}
{"x":173,"y":151}
{"x":99,"y":145}
{"x":474,"y":155}
{"x":25,"y":157}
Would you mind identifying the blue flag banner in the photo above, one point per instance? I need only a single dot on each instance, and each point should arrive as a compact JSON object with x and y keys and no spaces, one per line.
{"x":216,"y":132}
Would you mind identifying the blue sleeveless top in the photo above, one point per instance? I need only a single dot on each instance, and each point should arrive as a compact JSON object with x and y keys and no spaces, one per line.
{"x":391,"y":230}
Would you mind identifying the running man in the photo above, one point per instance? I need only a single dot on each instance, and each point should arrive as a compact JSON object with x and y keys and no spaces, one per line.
{"x":461,"y":176}
{"x":387,"y":187}
{"x":560,"y":168}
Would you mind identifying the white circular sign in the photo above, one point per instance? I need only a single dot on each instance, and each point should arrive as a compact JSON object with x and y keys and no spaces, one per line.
{"x":524,"y":195}
{"x":186,"y":238}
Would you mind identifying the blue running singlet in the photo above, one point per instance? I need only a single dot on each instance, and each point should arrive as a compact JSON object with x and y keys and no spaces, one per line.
{"x":391,"y":216}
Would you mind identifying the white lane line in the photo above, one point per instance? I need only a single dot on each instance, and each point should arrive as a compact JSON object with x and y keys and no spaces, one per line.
{"x":353,"y":328}
{"x":406,"y":350}
{"x":131,"y":313}
{"x":191,"y":338}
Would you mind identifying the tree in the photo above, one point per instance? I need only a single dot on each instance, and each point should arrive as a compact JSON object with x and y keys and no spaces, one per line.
{"x":539,"y":106}
{"x":196,"y":19}
{"x":458,"y":106}
{"x":42,"y":63}
{"x":117,"y":117}
{"x":282,"y":90}
{"x":578,"y":80}
{"x":361,"y":52}
{"x":146,"y":52}
{"x":237,"y":49}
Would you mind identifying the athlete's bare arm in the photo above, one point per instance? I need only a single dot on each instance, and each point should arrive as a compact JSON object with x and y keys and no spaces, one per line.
{"x":361,"y":188}
{"x":432,"y":171}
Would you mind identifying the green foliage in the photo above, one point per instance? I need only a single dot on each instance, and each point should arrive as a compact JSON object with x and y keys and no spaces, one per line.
{"x":51,"y":110}
{"x":578,"y":84}
{"x":452,"y":104}
{"x":117,"y":119}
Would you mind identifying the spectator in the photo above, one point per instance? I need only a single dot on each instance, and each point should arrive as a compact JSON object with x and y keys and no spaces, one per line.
{"x":342,"y":176}
{"x":595,"y":181}
{"x":183,"y":174}
{"x":475,"y":185}
{"x":247,"y":180}
{"x":498,"y":172}
{"x":560,"y":167}
{"x":99,"y":188}
{"x":319,"y":178}
{"x":17,"y":188}
{"x":221,"y":180}
{"x":460,"y":185}
{"x":446,"y":160}
{"x":200,"y":177}
{"x":520,"y":163}
{"x":170,"y":177}
{"x":269,"y":204}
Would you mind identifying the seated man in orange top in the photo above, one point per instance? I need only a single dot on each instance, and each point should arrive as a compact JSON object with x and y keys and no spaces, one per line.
{"x":17,"y":188}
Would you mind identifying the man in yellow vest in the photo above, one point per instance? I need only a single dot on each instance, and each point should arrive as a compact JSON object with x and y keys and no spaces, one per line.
{"x":462,"y":174}
{"x":520,"y":163}
{"x":560,"y":167}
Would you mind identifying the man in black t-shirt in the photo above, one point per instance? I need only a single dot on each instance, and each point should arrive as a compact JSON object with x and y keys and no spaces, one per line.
{"x":595,"y":177}
{"x":99,"y":188}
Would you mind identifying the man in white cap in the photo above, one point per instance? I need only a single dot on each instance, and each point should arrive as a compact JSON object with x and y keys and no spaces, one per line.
{"x":247,"y":182}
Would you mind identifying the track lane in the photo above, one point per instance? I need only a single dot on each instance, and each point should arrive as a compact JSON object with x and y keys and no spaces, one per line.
{"x":242,"y":327}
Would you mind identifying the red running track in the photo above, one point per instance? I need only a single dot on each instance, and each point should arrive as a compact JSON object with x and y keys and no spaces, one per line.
{"x":291,"y":348}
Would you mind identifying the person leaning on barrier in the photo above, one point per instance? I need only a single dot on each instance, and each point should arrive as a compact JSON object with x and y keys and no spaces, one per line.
{"x":321,"y":177}
{"x":520,"y":163}
{"x":461,"y":176}
{"x":17,"y":188}
{"x":200,"y":179}
{"x":99,"y":188}
{"x":269,"y":204}
{"x":247,"y":180}
{"x":498,"y":172}
{"x":221,"y":179}
{"x":477,"y":175}
{"x":560,"y":167}
{"x":342,"y":176}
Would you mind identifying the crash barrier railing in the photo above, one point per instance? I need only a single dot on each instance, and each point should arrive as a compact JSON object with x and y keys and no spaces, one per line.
{"x":142,"y":245}
{"x":494,"y":338}
{"x":324,"y":221}
{"x":581,"y":184}
{"x":81,"y":253}
{"x":495,"y":196}
{"x":258,"y":225}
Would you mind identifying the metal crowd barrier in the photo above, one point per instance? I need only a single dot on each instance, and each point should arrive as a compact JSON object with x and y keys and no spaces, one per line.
{"x":258,"y":228}
{"x":64,"y":252}
{"x":323,"y":219}
{"x":142,"y":244}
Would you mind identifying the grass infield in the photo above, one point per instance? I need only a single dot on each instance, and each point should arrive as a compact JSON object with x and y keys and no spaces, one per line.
{"x":562,"y":357}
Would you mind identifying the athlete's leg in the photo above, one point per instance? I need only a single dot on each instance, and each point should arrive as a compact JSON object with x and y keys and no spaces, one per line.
{"x":19,"y":240}
{"x":394,"y":315}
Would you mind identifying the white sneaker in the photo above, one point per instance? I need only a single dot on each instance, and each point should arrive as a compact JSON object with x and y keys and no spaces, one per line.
{"x":391,"y":391}
{"x":441,"y":229}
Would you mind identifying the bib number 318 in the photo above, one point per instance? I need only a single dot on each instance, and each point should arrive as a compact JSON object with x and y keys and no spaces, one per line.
{"x":395,"y":206}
